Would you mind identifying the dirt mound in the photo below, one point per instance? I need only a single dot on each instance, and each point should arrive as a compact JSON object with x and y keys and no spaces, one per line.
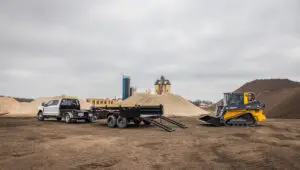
{"x":268,"y":85}
{"x":288,"y":108}
{"x":8,"y":105}
{"x":174,"y":105}
{"x":279,"y":95}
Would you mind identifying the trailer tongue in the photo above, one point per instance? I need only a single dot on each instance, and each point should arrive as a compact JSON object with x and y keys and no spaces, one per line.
{"x":121,"y":116}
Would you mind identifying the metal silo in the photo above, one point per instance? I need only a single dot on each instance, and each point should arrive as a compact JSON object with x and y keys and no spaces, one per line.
{"x":126,"y":87}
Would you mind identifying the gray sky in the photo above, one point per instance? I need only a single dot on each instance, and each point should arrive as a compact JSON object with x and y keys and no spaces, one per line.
{"x":205,"y":48}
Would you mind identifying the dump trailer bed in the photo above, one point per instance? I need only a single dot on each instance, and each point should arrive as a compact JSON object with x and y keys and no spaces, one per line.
{"x":122,"y":116}
{"x":129,"y":112}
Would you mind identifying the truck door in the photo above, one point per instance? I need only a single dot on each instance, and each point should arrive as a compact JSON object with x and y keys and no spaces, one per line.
{"x":54,"y":108}
{"x":47,"y":108}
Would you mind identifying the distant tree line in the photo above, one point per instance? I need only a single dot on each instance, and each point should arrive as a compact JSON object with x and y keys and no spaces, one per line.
{"x":198,"y":102}
{"x":19,"y":99}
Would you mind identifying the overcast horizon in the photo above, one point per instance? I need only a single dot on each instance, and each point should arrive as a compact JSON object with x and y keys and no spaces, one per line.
{"x":204,"y":48}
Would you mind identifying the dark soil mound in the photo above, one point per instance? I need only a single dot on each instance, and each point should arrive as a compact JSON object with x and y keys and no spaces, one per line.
{"x":268,"y":85}
{"x":289,"y":108}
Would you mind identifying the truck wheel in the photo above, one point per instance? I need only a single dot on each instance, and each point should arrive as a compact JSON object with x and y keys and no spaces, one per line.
{"x":122,"y":122}
{"x":111,"y":121}
{"x":40,"y":116}
{"x":67,"y":118}
{"x":146,"y":122}
{"x":89,"y":120}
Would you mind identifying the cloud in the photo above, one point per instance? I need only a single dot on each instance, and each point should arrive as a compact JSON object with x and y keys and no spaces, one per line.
{"x":203,"y":47}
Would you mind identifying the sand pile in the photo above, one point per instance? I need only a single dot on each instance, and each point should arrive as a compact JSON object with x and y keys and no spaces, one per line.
{"x":15,"y":108}
{"x":174,"y":105}
{"x":281,"y":96}
{"x":8,"y":105}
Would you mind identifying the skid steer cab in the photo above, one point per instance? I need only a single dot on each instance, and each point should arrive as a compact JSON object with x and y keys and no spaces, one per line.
{"x":238,"y":109}
{"x":66,"y":109}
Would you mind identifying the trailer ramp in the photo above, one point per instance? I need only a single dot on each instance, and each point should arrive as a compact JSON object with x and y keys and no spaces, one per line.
{"x":173,"y":122}
{"x":164,"y":127}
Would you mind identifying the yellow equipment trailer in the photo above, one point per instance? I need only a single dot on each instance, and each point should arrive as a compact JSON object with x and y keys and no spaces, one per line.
{"x":238,"y":109}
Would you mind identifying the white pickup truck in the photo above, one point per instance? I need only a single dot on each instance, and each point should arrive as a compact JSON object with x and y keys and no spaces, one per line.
{"x":64,"y":109}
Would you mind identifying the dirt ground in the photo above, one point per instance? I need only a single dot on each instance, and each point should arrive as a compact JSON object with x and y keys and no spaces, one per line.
{"x":29,"y":144}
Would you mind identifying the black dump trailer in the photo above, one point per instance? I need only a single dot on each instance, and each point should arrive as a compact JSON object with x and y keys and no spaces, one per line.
{"x":121,"y":116}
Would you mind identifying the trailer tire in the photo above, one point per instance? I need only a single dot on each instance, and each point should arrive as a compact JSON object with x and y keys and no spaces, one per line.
{"x":146,"y":122}
{"x":40,"y":116}
{"x":122,"y":122}
{"x":111,"y":121}
{"x":58,"y":118}
{"x":137,"y":122}
{"x":67,"y":118}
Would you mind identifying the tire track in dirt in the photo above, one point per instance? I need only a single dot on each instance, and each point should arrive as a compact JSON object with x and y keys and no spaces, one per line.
{"x":106,"y":163}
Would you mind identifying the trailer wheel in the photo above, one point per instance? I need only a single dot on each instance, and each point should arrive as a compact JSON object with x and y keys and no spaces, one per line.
{"x":137,"y":122}
{"x":111,"y":121}
{"x":67,"y":118}
{"x":58,"y":118}
{"x":40,"y":116}
{"x":122,"y":122}
{"x":146,"y":122}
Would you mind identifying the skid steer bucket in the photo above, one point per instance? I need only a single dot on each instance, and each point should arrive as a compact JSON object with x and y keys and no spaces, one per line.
{"x":211,"y":120}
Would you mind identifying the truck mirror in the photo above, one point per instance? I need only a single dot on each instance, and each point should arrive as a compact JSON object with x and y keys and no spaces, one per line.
{"x":43,"y":104}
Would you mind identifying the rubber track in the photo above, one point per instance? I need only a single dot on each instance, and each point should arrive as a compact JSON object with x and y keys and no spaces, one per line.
{"x":173,"y":122}
{"x":166,"y":128}
{"x":241,"y":124}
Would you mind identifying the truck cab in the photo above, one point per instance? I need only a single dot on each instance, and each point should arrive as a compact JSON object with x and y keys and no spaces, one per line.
{"x":66,"y":109}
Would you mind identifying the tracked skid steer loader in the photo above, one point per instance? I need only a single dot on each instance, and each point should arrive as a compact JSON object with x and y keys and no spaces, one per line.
{"x":238,"y":109}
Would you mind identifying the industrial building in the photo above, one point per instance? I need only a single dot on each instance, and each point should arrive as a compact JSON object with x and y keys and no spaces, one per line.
{"x":132,"y":91}
{"x":162,"y":86}
{"x":125,"y":87}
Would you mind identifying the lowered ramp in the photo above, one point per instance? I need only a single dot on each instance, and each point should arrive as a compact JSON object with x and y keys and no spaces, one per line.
{"x":173,"y":122}
{"x":164,"y":127}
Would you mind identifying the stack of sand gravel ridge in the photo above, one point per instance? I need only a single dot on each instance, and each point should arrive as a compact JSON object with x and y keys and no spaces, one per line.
{"x":174,"y":105}
{"x":8,"y":105}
